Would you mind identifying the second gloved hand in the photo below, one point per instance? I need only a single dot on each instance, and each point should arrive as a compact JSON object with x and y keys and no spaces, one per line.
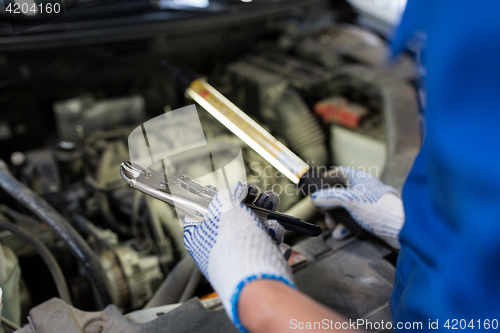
{"x":232,"y":248}
{"x":376,"y":207}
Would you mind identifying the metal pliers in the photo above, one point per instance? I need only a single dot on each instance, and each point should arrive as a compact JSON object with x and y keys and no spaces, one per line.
{"x":193,"y":198}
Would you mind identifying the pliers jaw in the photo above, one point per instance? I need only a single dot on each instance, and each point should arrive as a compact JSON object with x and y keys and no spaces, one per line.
{"x":193,"y":198}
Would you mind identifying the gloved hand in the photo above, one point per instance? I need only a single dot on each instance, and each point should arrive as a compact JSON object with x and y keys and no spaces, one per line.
{"x":232,"y":247}
{"x":376,"y":207}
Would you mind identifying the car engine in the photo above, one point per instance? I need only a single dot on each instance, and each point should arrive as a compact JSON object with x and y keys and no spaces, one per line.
{"x":312,"y":73}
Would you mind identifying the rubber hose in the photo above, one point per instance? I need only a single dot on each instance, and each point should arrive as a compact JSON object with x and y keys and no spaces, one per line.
{"x":296,"y":123}
{"x":172,"y":288}
{"x":61,"y":227}
{"x":47,"y":257}
{"x":107,"y":215}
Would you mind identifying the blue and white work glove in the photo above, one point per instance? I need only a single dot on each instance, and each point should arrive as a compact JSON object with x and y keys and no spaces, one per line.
{"x":233,"y":247}
{"x":375,"y":206}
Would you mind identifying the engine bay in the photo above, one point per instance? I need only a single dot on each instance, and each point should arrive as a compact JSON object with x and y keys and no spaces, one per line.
{"x":313,"y":76}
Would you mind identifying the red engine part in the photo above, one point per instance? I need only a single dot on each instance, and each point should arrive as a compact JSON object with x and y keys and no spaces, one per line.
{"x":339,"y":110}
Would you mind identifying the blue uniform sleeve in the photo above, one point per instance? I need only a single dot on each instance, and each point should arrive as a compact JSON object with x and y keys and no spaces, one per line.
{"x":449,"y":264}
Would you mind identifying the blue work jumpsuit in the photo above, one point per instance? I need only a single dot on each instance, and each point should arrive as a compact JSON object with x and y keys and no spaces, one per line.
{"x":449,"y":264}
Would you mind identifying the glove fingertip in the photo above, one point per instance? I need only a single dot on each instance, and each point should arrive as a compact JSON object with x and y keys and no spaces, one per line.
{"x":268,"y":200}
{"x":252,"y":188}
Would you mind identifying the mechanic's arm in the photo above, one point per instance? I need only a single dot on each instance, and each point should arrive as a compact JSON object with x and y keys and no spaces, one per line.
{"x":270,"y":306}
{"x":237,"y":254}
